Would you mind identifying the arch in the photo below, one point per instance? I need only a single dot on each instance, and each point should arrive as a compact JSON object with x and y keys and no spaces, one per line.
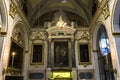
{"x":103,"y":59}
{"x":95,"y":35}
{"x":116,"y":16}
{"x":3,"y":13}
{"x":21,"y":26}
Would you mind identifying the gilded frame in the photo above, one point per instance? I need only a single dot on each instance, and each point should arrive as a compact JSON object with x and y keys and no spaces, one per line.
{"x":38,"y":56}
{"x":84,"y":59}
{"x":53,"y":54}
{"x":12,"y":49}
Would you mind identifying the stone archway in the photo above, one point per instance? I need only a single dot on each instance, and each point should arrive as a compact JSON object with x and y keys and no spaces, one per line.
{"x":97,"y":51}
{"x":18,"y":43}
{"x":21,"y":28}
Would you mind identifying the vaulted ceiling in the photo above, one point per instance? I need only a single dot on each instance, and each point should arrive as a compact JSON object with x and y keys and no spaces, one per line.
{"x":79,"y":11}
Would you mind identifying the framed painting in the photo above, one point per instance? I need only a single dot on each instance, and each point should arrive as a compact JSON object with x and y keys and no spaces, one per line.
{"x":84,"y":53}
{"x":16,"y":55}
{"x":37,"y":54}
{"x":61,"y":54}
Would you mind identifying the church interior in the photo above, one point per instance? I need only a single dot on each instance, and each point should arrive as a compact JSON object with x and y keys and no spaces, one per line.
{"x":59,"y":39}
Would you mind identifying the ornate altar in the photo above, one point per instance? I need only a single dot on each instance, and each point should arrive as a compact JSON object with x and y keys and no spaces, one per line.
{"x":61,"y":43}
{"x":61,"y":36}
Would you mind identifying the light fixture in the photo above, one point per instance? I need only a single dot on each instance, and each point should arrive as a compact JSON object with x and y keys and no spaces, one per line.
{"x":13,"y":56}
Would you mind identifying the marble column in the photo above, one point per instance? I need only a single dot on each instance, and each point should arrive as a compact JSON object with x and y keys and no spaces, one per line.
{"x":74,"y":70}
{"x":73,"y":53}
{"x":48,"y":70}
{"x":49,"y":54}
{"x":96,"y":67}
{"x":26,"y":65}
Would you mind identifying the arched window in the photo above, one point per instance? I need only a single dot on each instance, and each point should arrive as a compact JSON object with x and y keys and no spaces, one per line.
{"x":104,"y":55}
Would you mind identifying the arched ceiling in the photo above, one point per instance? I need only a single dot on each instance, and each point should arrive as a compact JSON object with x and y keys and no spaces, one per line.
{"x":40,"y":11}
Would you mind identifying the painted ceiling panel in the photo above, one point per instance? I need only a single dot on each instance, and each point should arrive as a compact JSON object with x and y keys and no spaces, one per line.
{"x":77,"y":10}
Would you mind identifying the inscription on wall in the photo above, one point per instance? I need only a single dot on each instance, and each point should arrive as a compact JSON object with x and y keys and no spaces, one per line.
{"x":86,"y":75}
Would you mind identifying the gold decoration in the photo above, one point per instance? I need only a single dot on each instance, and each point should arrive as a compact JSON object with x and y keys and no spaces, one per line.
{"x":61,"y":23}
{"x":13,"y":10}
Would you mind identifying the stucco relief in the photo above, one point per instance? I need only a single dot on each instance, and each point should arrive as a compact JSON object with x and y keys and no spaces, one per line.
{"x":83,"y":36}
{"x":18,"y":36}
{"x":13,"y":10}
{"x":106,"y":11}
{"x":39,"y":35}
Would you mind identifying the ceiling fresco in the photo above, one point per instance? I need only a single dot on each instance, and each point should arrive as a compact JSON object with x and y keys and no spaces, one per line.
{"x":40,"y":11}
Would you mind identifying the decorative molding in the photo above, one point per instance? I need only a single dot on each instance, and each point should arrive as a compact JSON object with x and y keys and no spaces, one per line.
{"x":11,"y":71}
{"x":18,"y":37}
{"x":106,"y":11}
{"x":39,"y":35}
{"x":84,"y":36}
{"x":13,"y":10}
{"x":98,"y":13}
{"x":61,"y":29}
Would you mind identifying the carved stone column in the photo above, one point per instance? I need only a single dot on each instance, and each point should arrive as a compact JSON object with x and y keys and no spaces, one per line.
{"x":49,"y":54}
{"x":48,"y":72}
{"x":73,"y":53}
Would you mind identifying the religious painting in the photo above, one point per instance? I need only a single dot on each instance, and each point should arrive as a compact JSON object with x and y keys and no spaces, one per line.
{"x":61,"y":54}
{"x":16,"y":55}
{"x":37,"y":54}
{"x":84,"y":53}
